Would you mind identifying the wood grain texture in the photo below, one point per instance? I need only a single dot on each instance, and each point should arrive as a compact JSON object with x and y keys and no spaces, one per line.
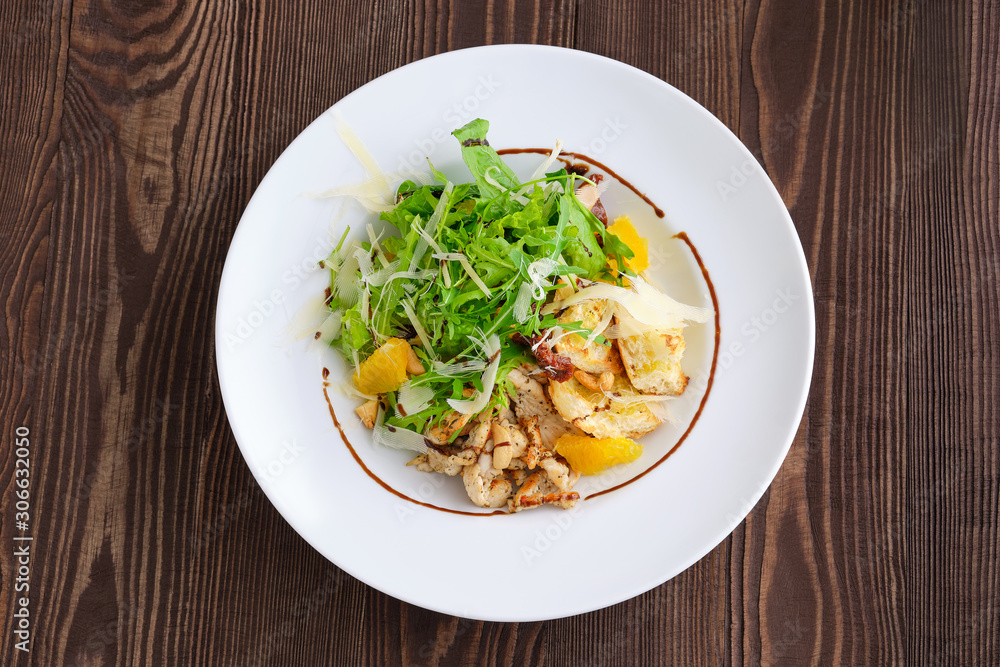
{"x":134,"y":133}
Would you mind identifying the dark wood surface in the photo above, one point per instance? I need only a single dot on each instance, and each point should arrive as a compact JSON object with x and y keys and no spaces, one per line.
{"x":132,"y":135}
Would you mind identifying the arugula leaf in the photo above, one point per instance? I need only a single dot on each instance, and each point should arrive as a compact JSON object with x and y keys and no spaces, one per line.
{"x":483,"y":161}
{"x":582,"y":248}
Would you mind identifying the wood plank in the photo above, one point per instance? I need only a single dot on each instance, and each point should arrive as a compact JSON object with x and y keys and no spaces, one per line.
{"x":873,"y":492}
{"x":132,"y":137}
{"x":32,"y":74}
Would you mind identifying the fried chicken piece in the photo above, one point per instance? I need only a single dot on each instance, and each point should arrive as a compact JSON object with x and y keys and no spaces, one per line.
{"x":448,"y":463}
{"x":530,"y":400}
{"x":486,"y":486}
{"x":539,"y":490}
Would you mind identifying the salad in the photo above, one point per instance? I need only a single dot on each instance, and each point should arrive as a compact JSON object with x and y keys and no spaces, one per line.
{"x":503,"y":330}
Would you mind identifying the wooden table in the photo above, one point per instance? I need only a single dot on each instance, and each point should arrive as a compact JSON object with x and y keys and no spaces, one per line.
{"x":134,"y":133}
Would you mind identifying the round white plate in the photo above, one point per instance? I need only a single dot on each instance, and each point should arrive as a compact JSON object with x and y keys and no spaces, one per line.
{"x":544,"y":563}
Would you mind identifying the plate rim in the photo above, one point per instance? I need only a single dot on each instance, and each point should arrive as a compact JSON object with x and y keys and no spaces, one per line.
{"x":802,"y":391}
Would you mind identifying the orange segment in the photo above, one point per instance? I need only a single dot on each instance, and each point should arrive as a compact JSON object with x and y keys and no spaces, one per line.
{"x":385,"y":370}
{"x":626,"y":231}
{"x":594,"y":455}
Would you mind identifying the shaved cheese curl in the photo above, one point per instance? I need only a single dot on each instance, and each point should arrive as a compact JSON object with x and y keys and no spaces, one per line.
{"x":330,"y":328}
{"x":395,"y":437}
{"x":522,"y":302}
{"x":364,"y":263}
{"x":426,"y":274}
{"x":481,"y":399}
{"x":413,"y":399}
{"x":376,"y":248}
{"x":461,"y":368}
{"x":347,"y":285}
{"x":661,"y":411}
{"x":538,"y":271}
{"x":588,"y":194}
{"x":655,"y":403}
{"x":543,"y":168}
{"x":381,"y":277}
{"x":644,"y":303}
{"x":426,"y":237}
{"x":464,"y":261}
{"x":609,"y":312}
{"x":419,"y":328}
{"x":431,"y":228}
{"x":374,"y":194}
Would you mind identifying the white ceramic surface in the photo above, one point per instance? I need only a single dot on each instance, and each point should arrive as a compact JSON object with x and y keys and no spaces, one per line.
{"x":545,"y":563}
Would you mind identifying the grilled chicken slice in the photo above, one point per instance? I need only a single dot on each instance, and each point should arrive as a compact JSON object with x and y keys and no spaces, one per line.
{"x":530,"y":401}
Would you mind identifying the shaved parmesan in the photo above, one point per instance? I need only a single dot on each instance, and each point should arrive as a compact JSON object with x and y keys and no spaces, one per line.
{"x":439,"y":212}
{"x":464,"y":261}
{"x":375,"y":193}
{"x":368,"y":193}
{"x":548,"y":332}
{"x":661,"y":411}
{"x":330,"y":328}
{"x":546,"y":164}
{"x":413,"y":399}
{"x":379,"y":184}
{"x":589,"y":194}
{"x":383,"y":275}
{"x":522,"y":302}
{"x":427,"y":237}
{"x":538,"y":271}
{"x":419,"y":328}
{"x":307,"y":319}
{"x":609,"y":312}
{"x":480,"y":399}
{"x":347,"y":285}
{"x":348,"y":389}
{"x":425,"y":274}
{"x":558,"y":334}
{"x":643,"y":302}
{"x":364,"y":260}
{"x":396,"y":437}
{"x":656,"y":404}
{"x":376,"y":248}
{"x":625,"y":326}
{"x":460,"y":368}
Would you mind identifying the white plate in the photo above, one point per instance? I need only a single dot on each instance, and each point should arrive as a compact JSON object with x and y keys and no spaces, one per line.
{"x":545,"y":563}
